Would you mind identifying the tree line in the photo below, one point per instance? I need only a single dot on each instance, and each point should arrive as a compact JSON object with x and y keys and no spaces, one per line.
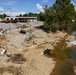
{"x":30,"y":14}
{"x":2,"y":16}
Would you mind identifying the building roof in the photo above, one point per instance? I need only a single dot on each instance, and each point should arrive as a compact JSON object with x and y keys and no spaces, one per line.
{"x":21,"y":17}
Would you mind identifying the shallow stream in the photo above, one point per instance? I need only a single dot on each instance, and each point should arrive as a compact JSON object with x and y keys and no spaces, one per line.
{"x":65,"y":58}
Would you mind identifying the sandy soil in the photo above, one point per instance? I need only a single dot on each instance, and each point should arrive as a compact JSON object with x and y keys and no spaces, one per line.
{"x":31,"y":45}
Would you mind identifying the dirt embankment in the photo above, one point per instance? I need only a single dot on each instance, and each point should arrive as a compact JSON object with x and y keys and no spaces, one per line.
{"x":31,"y":46}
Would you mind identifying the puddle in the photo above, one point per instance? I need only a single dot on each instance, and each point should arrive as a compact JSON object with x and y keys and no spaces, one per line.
{"x":73,"y":52}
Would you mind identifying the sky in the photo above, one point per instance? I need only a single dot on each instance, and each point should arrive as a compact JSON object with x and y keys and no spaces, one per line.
{"x":16,"y":7}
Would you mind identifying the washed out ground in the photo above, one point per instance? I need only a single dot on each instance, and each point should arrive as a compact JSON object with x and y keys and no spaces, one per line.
{"x":25,"y":51}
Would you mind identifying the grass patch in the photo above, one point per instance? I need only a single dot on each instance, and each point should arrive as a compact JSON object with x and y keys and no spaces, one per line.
{"x":60,"y":51}
{"x":62,"y":54}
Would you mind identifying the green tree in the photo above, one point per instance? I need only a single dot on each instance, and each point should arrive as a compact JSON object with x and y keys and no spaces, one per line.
{"x":20,"y":15}
{"x":2,"y":16}
{"x":41,"y":16}
{"x":64,"y":9}
{"x":30,"y":14}
{"x":59,"y":15}
{"x":25,"y":15}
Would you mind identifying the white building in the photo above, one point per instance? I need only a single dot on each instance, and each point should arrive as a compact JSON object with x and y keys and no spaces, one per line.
{"x":21,"y":19}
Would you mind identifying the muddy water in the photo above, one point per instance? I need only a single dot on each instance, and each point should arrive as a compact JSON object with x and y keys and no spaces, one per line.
{"x":73,"y":52}
{"x":65,"y":58}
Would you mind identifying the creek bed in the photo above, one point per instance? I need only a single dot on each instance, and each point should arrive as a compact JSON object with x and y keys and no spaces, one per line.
{"x":65,"y":58}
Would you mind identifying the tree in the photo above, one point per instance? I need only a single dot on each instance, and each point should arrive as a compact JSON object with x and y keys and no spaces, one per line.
{"x":2,"y":16}
{"x":62,"y":12}
{"x":41,"y":16}
{"x":20,"y":15}
{"x":50,"y":20}
{"x":64,"y":9}
{"x":25,"y":15}
{"x":30,"y":14}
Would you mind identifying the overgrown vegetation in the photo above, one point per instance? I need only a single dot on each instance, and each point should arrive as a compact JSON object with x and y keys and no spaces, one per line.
{"x":60,"y":51}
{"x":59,"y":16}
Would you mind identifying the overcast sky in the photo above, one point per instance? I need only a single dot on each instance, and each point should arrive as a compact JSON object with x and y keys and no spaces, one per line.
{"x":16,"y":7}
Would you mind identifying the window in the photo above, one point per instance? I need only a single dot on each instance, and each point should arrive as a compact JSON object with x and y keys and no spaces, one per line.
{"x":7,"y":18}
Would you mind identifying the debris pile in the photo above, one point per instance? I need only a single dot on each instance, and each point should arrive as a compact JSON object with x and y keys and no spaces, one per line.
{"x":23,"y":31}
{"x":3,"y":52}
{"x":47,"y":52}
{"x":3,"y":32}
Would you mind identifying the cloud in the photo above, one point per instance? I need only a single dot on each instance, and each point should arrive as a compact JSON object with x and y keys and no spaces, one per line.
{"x":14,"y":13}
{"x":73,"y":3}
{"x":75,"y":8}
{"x":44,"y":0}
{"x":1,"y":9}
{"x":39,"y":7}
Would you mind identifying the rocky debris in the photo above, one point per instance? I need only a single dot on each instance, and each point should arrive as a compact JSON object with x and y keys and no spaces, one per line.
{"x":28,"y":36}
{"x":31,"y":42}
{"x":3,"y":52}
{"x":70,"y":38}
{"x":18,"y":40}
{"x":39,"y":33}
{"x":47,"y":52}
{"x":23,"y":31}
{"x":3,"y":32}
